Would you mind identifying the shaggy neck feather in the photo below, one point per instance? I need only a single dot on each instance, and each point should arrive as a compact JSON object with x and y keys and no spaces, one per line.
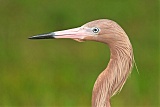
{"x":112,"y":79}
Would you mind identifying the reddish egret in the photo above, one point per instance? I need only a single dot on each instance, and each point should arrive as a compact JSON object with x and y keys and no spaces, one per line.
{"x":112,"y":79}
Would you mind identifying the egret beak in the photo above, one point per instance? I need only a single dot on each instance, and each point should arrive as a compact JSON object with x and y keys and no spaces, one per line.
{"x":75,"y":33}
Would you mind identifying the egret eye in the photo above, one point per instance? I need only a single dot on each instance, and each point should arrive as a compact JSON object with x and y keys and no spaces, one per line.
{"x":95,"y":30}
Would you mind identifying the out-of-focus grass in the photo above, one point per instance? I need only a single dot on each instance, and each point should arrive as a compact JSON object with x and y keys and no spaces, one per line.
{"x":61,"y":73}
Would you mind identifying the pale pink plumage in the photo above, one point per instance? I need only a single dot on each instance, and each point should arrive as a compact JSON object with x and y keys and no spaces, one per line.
{"x":112,"y":79}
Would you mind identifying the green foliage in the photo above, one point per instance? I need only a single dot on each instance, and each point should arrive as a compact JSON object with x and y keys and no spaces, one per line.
{"x":61,"y":73}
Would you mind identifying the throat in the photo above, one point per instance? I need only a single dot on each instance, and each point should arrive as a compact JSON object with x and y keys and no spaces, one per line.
{"x":112,"y":79}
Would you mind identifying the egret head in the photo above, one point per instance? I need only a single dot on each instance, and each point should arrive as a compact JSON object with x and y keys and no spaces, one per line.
{"x":103,"y":30}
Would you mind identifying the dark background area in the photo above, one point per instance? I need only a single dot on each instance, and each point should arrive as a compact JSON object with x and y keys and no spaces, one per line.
{"x":61,"y":73}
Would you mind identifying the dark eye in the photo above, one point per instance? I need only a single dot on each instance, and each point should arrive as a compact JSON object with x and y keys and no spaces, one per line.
{"x":95,"y":30}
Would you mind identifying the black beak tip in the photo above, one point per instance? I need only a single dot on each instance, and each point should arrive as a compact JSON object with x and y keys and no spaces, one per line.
{"x":35,"y":37}
{"x":43,"y":36}
{"x":31,"y":37}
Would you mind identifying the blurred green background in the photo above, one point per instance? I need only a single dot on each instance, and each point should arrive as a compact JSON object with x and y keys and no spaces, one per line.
{"x":61,"y":73}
